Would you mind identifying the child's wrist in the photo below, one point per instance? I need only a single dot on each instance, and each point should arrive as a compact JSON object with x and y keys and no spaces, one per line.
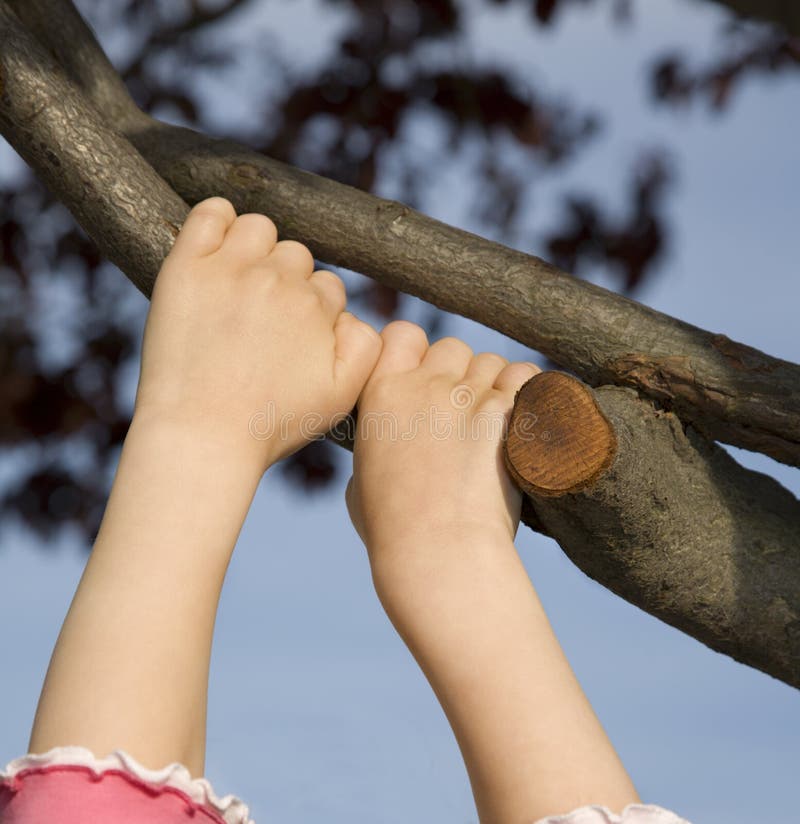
{"x":221,"y":443}
{"x":418,"y":562}
{"x":418,"y":537}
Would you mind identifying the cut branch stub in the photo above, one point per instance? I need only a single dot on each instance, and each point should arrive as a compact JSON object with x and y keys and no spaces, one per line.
{"x":558,"y":439}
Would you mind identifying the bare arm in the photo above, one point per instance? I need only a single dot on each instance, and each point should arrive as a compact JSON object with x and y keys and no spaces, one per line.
{"x":531,"y":742}
{"x":438,"y":515}
{"x":130,"y":668}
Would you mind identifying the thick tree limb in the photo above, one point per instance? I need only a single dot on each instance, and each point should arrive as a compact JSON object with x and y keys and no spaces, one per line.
{"x":728,"y":391}
{"x":672,"y":524}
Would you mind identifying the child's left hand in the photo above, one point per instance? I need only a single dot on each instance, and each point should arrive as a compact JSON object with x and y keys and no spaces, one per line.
{"x":240,"y":327}
{"x":245,"y":343}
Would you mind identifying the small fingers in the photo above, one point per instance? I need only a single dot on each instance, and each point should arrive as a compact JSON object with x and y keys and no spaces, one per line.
{"x":330,"y":289}
{"x":404,"y":346}
{"x":251,"y":237}
{"x":292,"y":258}
{"x":205,"y":227}
{"x":511,"y":377}
{"x":484,"y":369}
{"x":449,"y":356}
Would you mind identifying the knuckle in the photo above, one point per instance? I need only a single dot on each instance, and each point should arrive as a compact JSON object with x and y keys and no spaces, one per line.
{"x":455,"y":345}
{"x":296,"y":250}
{"x":492,"y":359}
{"x":367,"y":329}
{"x":309,"y":299}
{"x":442,"y":384}
{"x":495,"y":402}
{"x":294,"y":245}
{"x":404,"y":329}
{"x":330,"y":277}
{"x":215,"y":205}
{"x":520,"y":372}
{"x":207,"y":218}
{"x":256,"y":222}
{"x":262,"y":275}
{"x":381,"y":393}
{"x":401,"y":326}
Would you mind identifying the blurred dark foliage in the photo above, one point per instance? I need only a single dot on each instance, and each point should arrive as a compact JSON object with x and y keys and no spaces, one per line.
{"x":71,"y":324}
{"x":674,"y":80}
{"x":628,"y":248}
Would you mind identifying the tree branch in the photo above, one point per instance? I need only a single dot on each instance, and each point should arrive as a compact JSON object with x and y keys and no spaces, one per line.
{"x":728,"y":391}
{"x":671,"y":523}
{"x":60,"y":28}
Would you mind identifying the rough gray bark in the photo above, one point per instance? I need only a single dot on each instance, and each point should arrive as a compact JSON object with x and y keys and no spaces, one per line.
{"x":710,"y":582}
{"x":728,"y":391}
{"x":678,"y":528}
{"x":126,"y":208}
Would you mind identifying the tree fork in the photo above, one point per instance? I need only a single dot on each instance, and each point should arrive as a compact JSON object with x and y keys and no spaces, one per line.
{"x":727,"y":390}
{"x":662,"y":517}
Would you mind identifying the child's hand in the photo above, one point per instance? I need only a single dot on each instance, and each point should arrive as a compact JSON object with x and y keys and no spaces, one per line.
{"x":241,"y":331}
{"x":431,"y":498}
{"x":428,"y":444}
{"x":245,"y":342}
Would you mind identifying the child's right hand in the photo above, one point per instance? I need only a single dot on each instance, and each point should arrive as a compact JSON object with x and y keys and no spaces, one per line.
{"x":428,"y":444}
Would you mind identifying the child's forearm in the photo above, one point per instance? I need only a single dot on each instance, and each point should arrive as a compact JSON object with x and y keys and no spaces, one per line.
{"x":470,"y":616}
{"x":130,"y":667}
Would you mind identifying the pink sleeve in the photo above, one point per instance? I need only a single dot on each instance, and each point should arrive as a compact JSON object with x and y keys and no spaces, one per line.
{"x":69,"y":785}
{"x":632,"y":814}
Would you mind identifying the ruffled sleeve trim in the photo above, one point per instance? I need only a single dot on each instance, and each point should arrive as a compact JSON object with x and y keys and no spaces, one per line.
{"x":632,"y":814}
{"x":172,"y":777}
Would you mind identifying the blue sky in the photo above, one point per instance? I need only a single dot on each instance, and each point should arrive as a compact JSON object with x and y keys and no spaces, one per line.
{"x":316,"y":708}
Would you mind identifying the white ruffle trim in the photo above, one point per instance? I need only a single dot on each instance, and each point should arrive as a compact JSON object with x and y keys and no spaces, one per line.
{"x":632,"y":814}
{"x":175,"y":776}
{"x":234,"y":811}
